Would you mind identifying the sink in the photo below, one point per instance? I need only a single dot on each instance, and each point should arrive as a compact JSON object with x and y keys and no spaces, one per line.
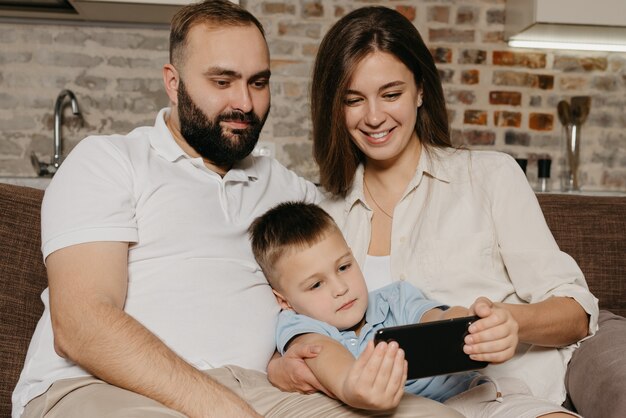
{"x":35,"y":182}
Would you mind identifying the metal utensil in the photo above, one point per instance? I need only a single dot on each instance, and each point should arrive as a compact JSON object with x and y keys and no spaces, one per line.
{"x":579,"y":111}
{"x":565,"y":116}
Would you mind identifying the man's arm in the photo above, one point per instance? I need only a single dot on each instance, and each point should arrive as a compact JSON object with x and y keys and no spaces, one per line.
{"x":88,"y":285}
{"x":373,"y":381}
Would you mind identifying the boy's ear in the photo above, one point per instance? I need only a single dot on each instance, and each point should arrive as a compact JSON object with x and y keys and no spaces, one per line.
{"x":281,"y":300}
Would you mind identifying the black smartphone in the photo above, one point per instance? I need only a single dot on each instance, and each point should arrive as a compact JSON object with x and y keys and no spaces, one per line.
{"x":433,"y":348}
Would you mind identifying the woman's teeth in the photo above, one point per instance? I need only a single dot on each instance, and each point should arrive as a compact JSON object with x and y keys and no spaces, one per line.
{"x":379,"y":135}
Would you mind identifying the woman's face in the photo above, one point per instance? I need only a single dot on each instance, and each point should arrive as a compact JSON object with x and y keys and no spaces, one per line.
{"x":381,"y":108}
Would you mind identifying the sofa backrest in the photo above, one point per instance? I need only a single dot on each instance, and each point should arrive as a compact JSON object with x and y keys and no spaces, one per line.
{"x":22,"y":279}
{"x":592,"y":229}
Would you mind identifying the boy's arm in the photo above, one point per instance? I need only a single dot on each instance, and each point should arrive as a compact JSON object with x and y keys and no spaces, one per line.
{"x":373,"y":381}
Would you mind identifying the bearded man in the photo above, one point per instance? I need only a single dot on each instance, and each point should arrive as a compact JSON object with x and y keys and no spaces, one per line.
{"x":155,"y":305}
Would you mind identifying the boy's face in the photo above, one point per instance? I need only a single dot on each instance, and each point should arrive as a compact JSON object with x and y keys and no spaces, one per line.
{"x":323,"y":282}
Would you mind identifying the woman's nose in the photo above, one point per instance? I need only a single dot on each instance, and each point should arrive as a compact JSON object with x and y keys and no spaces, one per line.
{"x":374,"y":116}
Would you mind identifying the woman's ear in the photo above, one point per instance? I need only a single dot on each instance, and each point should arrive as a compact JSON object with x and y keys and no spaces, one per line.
{"x":171,"y":79}
{"x":282,"y":301}
{"x":420,"y":97}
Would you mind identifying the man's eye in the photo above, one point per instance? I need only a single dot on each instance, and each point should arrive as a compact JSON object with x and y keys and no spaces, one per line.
{"x":221,"y":83}
{"x":260,"y":84}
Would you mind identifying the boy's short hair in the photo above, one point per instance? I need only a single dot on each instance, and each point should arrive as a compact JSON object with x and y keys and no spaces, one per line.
{"x":285,"y":227}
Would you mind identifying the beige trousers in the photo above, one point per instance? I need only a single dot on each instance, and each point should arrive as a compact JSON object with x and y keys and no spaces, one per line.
{"x":90,"y":397}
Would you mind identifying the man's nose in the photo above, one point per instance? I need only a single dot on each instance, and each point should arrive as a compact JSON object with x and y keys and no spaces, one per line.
{"x":241,"y":99}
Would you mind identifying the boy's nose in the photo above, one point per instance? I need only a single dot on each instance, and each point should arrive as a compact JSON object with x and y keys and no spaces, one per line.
{"x":340,"y":288}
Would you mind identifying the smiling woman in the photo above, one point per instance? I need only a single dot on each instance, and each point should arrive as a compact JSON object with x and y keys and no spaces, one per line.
{"x":457,"y":224}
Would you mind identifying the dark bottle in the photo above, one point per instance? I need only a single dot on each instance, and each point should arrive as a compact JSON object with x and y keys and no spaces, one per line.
{"x":543,"y":174}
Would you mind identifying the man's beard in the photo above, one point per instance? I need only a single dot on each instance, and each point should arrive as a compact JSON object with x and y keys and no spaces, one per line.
{"x":207,"y":137}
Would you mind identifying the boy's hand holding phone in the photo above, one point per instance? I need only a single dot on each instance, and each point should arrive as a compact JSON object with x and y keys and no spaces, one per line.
{"x":494,"y":337}
{"x":376,"y":379}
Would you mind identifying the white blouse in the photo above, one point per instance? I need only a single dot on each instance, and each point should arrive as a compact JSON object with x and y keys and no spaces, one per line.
{"x":377,"y":271}
{"x":469,"y":225}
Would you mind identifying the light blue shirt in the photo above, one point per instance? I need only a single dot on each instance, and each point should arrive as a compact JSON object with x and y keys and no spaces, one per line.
{"x":396,"y":304}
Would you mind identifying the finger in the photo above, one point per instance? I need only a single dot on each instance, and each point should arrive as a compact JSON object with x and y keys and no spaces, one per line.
{"x":400,"y":389}
{"x":494,"y":357}
{"x":370,"y":366}
{"x":391,"y":361}
{"x":397,"y":376}
{"x":481,"y":306}
{"x":496,"y":318}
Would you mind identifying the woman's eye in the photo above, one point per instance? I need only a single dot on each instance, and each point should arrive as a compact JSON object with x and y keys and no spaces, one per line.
{"x":352,"y":101}
{"x":392,"y":96}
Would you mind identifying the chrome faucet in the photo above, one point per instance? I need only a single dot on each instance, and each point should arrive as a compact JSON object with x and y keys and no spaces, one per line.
{"x":45,"y":169}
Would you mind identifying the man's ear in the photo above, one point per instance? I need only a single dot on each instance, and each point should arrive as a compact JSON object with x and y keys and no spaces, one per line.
{"x":281,"y":300}
{"x":171,"y":78}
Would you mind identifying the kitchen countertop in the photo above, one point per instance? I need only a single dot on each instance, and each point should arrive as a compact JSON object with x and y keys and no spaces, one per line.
{"x":35,"y":182}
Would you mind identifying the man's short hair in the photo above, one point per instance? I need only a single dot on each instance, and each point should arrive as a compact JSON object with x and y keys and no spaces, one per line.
{"x":286,"y":227}
{"x":217,"y":13}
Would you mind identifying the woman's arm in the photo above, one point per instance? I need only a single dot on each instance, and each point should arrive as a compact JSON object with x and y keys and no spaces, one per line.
{"x":560,"y":308}
{"x":374,"y":381}
{"x":555,"y":322}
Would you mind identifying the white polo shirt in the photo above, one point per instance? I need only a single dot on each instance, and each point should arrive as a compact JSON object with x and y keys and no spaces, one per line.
{"x":193,"y":280}
{"x":469,"y":225}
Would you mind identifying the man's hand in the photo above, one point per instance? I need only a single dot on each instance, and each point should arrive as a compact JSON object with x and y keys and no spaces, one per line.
{"x":290,"y":373}
{"x":376,"y":379}
{"x":494,"y":337}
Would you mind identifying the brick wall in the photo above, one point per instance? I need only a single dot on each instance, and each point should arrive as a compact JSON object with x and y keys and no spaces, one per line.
{"x":499,"y":98}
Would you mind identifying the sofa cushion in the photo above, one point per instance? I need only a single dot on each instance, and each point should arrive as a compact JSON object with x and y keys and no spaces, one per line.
{"x":22,"y":279}
{"x":592,"y":229}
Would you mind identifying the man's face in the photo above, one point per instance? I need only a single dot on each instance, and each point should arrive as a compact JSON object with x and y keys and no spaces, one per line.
{"x":210,"y":139}
{"x":223,"y":95}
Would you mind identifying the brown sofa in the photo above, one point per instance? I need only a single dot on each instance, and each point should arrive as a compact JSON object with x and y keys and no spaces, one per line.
{"x":591,"y":229}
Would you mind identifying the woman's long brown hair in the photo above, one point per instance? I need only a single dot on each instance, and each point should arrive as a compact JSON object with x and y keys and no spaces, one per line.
{"x":352,"y":38}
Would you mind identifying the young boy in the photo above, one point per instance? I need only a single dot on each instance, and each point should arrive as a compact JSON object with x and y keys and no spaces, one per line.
{"x":323,"y":294}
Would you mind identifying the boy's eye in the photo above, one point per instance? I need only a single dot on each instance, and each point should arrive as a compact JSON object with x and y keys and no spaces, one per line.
{"x":315,"y":285}
{"x":345,"y":267}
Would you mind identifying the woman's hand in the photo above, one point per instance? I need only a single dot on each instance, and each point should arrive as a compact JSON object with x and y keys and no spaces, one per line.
{"x":290,"y":373}
{"x":494,"y":337}
{"x":376,"y":379}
